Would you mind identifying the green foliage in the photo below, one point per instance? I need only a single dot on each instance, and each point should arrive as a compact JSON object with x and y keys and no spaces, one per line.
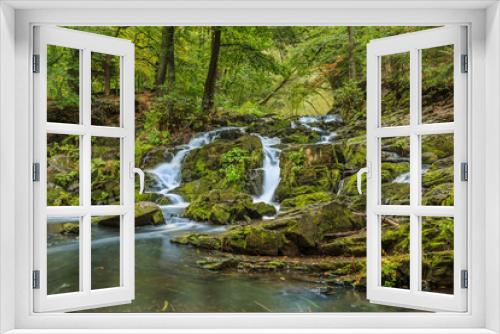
{"x":349,"y":100}
{"x":233,"y":164}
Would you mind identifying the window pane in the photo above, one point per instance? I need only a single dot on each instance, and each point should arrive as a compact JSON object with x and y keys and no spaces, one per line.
{"x":395,"y":170}
{"x":437,"y":169}
{"x":395,"y":250}
{"x":437,"y":254}
{"x":105,"y":252}
{"x":63,"y":84}
{"x":437,"y":84}
{"x":63,"y":254}
{"x":105,"y":89}
{"x":395,"y":89}
{"x":63,"y":170}
{"x":105,"y":171}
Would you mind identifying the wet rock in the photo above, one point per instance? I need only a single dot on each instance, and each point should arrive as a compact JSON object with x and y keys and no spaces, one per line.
{"x":253,"y":181}
{"x":156,"y":156}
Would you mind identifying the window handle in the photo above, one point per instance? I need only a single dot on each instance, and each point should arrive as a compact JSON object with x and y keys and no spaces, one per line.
{"x":359,"y":176}
{"x":138,"y":171}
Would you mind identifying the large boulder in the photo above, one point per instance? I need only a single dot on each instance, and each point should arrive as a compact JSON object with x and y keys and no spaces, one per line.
{"x":318,"y":169}
{"x":225,"y":164}
{"x":227,"y":207}
{"x":296,"y":232}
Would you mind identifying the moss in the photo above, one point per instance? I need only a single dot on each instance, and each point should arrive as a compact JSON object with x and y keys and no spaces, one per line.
{"x":301,"y":201}
{"x":354,"y":245}
{"x":396,"y":272}
{"x":70,"y":228}
{"x":226,"y":207}
{"x":296,"y":232}
{"x":396,"y":193}
{"x":152,"y":197}
{"x":391,"y":170}
{"x":199,"y":240}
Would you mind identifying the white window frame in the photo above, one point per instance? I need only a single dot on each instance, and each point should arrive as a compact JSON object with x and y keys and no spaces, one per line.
{"x":17,"y":19}
{"x":413,"y":44}
{"x":85,"y":43}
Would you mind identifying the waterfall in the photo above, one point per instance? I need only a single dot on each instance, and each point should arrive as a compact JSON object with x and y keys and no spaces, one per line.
{"x":271,"y":168}
{"x":402,"y":178}
{"x":405,"y":177}
{"x":327,"y":137}
{"x":341,"y":185}
{"x":169,"y":174}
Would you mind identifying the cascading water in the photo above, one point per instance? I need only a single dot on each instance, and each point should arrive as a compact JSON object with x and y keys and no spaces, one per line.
{"x":271,"y":169}
{"x":169,"y":176}
{"x":405,"y":177}
{"x":327,"y":137}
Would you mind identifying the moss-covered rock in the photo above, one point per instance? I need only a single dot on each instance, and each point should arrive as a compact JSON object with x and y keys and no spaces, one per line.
{"x":296,"y":232}
{"x":304,"y":200}
{"x":152,"y":197}
{"x":226,"y":207}
{"x":224,"y":164}
{"x":201,"y":162}
{"x":352,"y":245}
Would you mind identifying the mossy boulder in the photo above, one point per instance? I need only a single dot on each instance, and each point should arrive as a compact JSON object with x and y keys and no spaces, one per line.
{"x":297,"y":232}
{"x":352,"y":245}
{"x":152,"y":197}
{"x":227,"y":207}
{"x":308,"y":169}
{"x":224,"y":164}
{"x":303,"y":200}
{"x":156,"y":156}
{"x":201,"y":162}
{"x":146,"y":213}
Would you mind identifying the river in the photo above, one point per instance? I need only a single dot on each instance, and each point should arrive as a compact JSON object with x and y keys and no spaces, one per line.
{"x":168,"y":279}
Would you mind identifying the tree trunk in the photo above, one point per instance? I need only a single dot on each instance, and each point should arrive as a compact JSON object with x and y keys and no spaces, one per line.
{"x":207,"y":104}
{"x":170,"y":68}
{"x":161,"y":71}
{"x":106,"y":68}
{"x":351,"y":47}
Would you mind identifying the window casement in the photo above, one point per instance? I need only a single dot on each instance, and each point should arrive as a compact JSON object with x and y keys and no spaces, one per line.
{"x":82,"y":132}
{"x":415,"y":128}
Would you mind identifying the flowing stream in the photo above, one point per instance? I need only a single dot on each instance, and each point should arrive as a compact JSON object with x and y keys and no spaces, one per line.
{"x":309,"y":122}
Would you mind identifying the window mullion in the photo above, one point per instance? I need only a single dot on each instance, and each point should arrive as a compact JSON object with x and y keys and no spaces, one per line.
{"x":86,"y":177}
{"x":415,"y":184}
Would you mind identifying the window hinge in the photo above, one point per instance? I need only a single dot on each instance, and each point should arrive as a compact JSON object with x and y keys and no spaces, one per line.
{"x":464,"y":171}
{"x":36,"y":63}
{"x":465,"y":64}
{"x":36,"y":172}
{"x":36,"y":279}
{"x":464,"y":279}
